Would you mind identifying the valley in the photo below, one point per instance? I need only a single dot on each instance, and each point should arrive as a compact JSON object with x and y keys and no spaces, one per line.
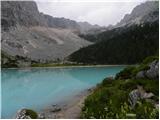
{"x":55,"y":67}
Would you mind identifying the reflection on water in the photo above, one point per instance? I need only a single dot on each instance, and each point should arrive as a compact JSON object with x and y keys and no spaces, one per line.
{"x":38,"y":87}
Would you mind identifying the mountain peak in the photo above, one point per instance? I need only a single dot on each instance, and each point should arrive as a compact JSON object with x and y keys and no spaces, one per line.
{"x":145,"y":12}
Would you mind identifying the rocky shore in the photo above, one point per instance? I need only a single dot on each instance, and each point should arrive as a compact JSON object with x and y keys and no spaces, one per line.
{"x":70,"y":109}
{"x":67,"y":110}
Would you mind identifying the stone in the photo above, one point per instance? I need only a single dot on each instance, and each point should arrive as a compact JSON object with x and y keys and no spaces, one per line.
{"x":25,"y":114}
{"x":55,"y":108}
{"x":157,"y":106}
{"x":138,"y":94}
{"x":133,"y":97}
{"x":41,"y":116}
{"x":21,"y":114}
{"x":140,"y":74}
{"x":153,"y":72}
{"x":147,"y":95}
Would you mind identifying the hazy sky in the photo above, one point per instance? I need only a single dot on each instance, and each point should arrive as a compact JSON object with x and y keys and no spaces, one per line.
{"x":102,"y":12}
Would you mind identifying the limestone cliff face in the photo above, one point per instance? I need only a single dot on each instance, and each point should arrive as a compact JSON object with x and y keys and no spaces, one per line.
{"x":23,"y":13}
{"x":27,"y":32}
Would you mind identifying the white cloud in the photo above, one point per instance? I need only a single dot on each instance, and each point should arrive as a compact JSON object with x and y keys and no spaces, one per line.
{"x":101,"y":12}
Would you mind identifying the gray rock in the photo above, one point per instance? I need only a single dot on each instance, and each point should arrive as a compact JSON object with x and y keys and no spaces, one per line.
{"x":133,"y":97}
{"x":21,"y":114}
{"x":41,"y":115}
{"x":140,"y":74}
{"x":138,"y":94}
{"x":153,"y":72}
{"x":55,"y":108}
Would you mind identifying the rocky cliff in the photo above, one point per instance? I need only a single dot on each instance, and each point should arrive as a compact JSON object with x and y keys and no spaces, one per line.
{"x":25,"y":13}
{"x":145,"y":12}
{"x":27,"y":32}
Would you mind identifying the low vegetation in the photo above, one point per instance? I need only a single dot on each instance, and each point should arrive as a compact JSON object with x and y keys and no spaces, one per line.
{"x":31,"y":113}
{"x":110,"y":98}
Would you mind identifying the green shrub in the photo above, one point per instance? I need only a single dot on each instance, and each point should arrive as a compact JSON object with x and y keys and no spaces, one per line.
{"x":126,"y":73}
{"x":31,"y":113}
{"x":150,"y":59}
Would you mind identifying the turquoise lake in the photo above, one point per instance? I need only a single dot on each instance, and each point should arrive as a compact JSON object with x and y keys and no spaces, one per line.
{"x":37,"y":88}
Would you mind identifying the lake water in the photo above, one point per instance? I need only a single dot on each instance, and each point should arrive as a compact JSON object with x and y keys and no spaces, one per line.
{"x":37,"y":88}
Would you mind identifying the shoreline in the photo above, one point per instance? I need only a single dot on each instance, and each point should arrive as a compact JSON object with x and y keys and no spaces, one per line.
{"x":76,"y":66}
{"x":70,"y":109}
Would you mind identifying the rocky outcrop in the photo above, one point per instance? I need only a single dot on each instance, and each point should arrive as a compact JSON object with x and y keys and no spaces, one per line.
{"x":151,"y":73}
{"x":23,"y":13}
{"x":138,"y":94}
{"x":145,"y":12}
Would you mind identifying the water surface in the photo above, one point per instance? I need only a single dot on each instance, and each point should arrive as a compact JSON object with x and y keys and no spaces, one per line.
{"x":37,"y":88}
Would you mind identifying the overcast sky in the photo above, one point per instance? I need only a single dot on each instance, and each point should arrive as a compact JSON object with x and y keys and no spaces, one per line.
{"x":103,"y":12}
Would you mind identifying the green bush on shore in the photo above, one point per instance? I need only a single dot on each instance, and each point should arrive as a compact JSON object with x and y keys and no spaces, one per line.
{"x":31,"y":113}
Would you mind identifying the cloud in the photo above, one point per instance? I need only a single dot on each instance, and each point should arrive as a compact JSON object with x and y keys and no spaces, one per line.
{"x":102,"y":13}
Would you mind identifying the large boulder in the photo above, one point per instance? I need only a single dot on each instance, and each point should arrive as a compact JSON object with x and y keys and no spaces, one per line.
{"x":138,"y":94}
{"x":151,"y":73}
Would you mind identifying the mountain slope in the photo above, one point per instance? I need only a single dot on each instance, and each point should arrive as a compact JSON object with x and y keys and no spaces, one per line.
{"x":145,"y":12}
{"x":27,"y":32}
{"x":41,"y":43}
{"x":127,"y":43}
{"x":128,"y":47}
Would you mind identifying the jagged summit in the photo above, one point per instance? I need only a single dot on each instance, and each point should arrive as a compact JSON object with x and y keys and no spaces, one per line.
{"x":145,"y":12}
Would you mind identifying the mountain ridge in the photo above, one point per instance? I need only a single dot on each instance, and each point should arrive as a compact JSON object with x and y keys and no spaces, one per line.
{"x":127,"y":43}
{"x":28,"y":33}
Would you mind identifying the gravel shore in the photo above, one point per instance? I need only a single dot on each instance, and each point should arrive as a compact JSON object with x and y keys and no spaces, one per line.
{"x":67,"y":110}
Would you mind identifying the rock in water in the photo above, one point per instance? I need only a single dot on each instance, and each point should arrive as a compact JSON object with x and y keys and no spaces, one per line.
{"x":26,"y":114}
